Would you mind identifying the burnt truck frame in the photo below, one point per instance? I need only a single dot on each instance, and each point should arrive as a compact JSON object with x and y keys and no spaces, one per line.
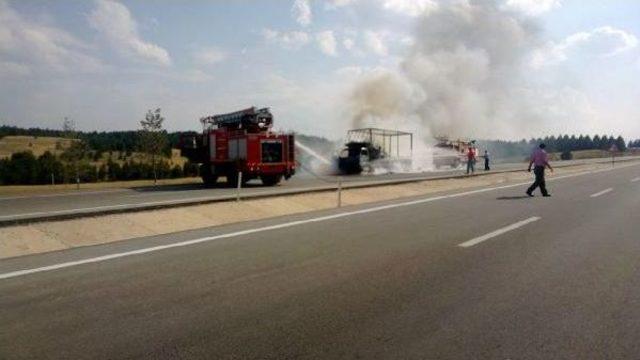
{"x":367,"y":148}
{"x":450,"y":153}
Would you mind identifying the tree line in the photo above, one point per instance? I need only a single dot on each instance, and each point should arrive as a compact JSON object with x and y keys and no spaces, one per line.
{"x":563,"y":144}
{"x":24,"y":168}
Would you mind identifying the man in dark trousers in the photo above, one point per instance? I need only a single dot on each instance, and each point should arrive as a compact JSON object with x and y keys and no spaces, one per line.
{"x":486,"y":161}
{"x":471,"y":160}
{"x":540,"y":161}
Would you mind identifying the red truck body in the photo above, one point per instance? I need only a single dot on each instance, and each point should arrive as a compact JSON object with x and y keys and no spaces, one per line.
{"x":242,"y":142}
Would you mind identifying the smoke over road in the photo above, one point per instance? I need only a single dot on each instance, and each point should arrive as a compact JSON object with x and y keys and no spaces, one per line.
{"x":465,"y":76}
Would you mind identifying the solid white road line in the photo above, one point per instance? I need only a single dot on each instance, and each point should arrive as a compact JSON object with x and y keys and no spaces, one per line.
{"x":602,"y":192}
{"x":635,"y":180}
{"x":18,"y":273}
{"x":246,"y":232}
{"x":498,"y":232}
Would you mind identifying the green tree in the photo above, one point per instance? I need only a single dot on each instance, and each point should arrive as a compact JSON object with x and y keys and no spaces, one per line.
{"x":114,"y":170}
{"x":22,"y":168}
{"x":50,"y":168}
{"x":76,"y":151}
{"x":621,"y":144}
{"x":176,"y":172}
{"x":153,"y":139}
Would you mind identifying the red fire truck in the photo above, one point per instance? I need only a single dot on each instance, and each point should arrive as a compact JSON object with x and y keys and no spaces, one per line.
{"x":241,"y":142}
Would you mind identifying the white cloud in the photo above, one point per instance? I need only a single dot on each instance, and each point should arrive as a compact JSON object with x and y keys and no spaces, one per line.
{"x":348,"y":43}
{"x":27,"y":46}
{"x":350,"y":72}
{"x":335,"y":4}
{"x":301,"y":12}
{"x":410,"y":7}
{"x":375,"y":43}
{"x":114,"y":21}
{"x":288,"y":40}
{"x":407,"y":40}
{"x":605,"y":41}
{"x":209,"y":56}
{"x":193,"y":76}
{"x":532,"y":7}
{"x":13,"y":69}
{"x":327,"y":43}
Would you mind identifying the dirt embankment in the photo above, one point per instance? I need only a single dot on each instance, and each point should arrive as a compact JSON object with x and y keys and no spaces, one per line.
{"x":59,"y":235}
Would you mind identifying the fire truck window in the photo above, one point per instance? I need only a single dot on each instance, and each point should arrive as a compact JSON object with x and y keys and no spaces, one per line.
{"x":271,"y":152}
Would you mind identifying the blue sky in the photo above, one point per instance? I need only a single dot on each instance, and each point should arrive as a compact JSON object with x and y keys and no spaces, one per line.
{"x":103,"y":63}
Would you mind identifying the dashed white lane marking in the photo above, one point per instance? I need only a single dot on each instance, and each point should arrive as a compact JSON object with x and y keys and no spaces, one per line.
{"x":602,"y":192}
{"x":498,"y":232}
{"x":635,"y":180}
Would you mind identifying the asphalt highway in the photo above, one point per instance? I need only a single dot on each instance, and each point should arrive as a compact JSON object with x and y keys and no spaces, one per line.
{"x":67,"y":204}
{"x":486,"y":273}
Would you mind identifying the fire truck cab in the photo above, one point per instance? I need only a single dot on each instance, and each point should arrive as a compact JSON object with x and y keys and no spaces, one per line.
{"x":242,"y":142}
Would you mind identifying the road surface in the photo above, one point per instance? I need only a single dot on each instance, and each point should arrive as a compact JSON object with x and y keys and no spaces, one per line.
{"x":36,"y":207}
{"x":487,"y":273}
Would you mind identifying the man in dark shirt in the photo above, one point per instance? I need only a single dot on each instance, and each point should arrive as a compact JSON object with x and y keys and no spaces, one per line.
{"x":486,"y":161}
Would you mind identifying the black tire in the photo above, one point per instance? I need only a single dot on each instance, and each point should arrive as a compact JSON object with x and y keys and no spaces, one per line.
{"x":208,"y":178}
{"x":270,"y":180}
{"x":232,"y":179}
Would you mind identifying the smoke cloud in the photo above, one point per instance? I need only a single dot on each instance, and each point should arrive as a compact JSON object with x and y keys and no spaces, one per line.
{"x":465,"y":76}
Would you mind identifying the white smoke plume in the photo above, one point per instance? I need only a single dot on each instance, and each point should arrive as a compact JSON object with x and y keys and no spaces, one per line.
{"x":465,"y":76}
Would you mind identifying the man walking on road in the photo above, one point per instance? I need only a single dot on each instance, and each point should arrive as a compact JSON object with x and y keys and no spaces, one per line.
{"x":540,"y":160}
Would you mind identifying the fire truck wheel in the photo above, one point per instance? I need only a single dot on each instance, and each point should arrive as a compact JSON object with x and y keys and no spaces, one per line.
{"x":209,"y":180}
{"x":270,"y":180}
{"x":232,"y":180}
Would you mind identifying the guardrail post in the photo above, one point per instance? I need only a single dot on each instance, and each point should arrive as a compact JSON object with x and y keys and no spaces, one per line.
{"x":339,"y":191}
{"x":239,"y":186}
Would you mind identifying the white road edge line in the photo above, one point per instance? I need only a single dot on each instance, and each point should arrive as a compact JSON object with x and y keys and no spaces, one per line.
{"x":498,"y":232}
{"x":97,"y":259}
{"x":601,"y":192}
{"x":635,"y":179}
{"x":63,"y":265}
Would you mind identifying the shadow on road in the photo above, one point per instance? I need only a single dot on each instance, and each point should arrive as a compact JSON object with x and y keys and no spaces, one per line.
{"x":513,"y":197}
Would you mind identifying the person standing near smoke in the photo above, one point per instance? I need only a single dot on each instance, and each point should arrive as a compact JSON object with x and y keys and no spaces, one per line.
{"x":540,"y":160}
{"x":471,"y":160}
{"x":486,"y":161}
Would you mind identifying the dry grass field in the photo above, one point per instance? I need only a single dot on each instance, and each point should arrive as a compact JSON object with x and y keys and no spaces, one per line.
{"x":38,"y":145}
